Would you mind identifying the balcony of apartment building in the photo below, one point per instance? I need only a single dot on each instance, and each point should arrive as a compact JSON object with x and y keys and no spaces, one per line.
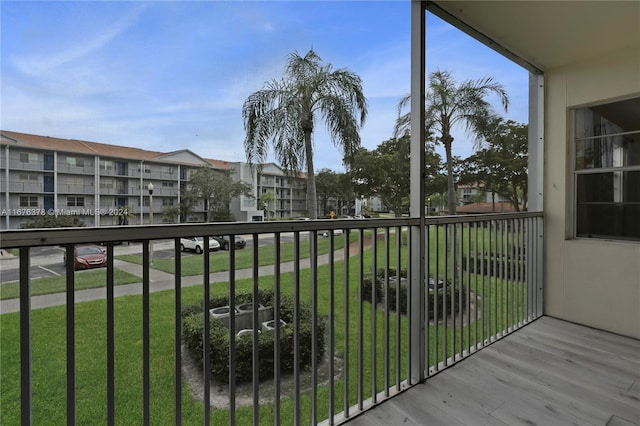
{"x":74,"y":185}
{"x":363,"y":321}
{"x":414,"y":320}
{"x":28,"y":183}
{"x":75,"y":165}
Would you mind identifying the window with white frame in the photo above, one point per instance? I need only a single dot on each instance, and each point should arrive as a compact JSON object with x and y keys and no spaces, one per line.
{"x":28,"y":201}
{"x":28,"y":157}
{"x":106,"y":165}
{"x":73,"y":201}
{"x":75,"y":162}
{"x":606,"y":181}
{"x":28,"y":177}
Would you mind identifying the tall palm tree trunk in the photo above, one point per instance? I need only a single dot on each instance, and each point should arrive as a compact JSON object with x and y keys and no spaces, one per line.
{"x":312,"y":199}
{"x":451,"y":190}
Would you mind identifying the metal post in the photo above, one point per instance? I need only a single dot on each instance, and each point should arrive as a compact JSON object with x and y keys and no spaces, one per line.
{"x":150,"y":188}
{"x":416,"y":283}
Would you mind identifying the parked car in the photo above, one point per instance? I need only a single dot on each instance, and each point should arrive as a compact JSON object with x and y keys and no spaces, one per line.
{"x":432,"y":284}
{"x":223,"y":240}
{"x":344,"y":216}
{"x":325,"y":234}
{"x":197,"y":244}
{"x":88,"y":256}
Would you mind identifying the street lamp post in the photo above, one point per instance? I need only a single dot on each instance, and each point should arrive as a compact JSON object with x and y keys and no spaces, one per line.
{"x":150,"y":189}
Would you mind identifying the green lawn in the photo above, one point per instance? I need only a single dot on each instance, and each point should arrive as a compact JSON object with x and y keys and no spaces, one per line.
{"x":48,"y":327}
{"x":219,"y":261}
{"x":83,"y":280}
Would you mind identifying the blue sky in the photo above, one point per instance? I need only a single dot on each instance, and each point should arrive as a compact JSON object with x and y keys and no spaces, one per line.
{"x":172,"y":75}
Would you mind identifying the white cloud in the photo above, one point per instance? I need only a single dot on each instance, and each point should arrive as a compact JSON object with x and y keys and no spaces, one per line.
{"x":39,"y":64}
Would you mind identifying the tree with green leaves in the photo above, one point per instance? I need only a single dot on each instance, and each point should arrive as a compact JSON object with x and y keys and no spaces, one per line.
{"x":449,"y":105}
{"x":327,"y":187}
{"x":267,"y":202}
{"x":345,"y":193}
{"x":216,"y":188}
{"x":284,"y":114}
{"x":501,"y":167}
{"x":383,"y":172}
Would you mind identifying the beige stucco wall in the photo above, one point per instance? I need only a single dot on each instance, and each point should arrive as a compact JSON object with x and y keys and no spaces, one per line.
{"x":592,"y":282}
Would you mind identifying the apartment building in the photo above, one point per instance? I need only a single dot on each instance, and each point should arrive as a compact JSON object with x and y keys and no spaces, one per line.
{"x":290,"y":194}
{"x":96,"y":182}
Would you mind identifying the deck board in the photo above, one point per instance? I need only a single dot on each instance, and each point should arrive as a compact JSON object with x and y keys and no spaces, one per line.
{"x":549,"y":372}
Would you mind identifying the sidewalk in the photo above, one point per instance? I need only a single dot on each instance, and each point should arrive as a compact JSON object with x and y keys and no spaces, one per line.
{"x":161,"y":281}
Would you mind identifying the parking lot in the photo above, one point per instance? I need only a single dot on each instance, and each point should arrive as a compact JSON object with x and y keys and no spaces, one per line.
{"x":49,"y":261}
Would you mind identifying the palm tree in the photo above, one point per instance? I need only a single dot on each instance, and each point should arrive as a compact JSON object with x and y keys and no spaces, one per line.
{"x":448,"y":105}
{"x":284,"y":113}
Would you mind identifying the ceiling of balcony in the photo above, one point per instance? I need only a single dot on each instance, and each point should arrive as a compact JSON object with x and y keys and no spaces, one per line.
{"x":551,"y":34}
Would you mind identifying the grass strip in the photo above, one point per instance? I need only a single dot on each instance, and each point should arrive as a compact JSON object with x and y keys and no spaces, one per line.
{"x":83,"y":280}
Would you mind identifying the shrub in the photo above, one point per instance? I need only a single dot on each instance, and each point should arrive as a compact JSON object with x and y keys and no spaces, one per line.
{"x":435,"y":297}
{"x":193,"y":329}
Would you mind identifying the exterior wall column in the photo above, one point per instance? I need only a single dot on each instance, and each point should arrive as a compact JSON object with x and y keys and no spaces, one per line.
{"x":417,"y":327}
{"x":96,"y":191}
{"x":6,"y":193}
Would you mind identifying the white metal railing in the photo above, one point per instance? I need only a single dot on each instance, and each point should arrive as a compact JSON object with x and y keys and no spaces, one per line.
{"x":482,"y":280}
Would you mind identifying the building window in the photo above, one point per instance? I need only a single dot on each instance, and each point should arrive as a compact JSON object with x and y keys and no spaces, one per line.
{"x":75,"y":162}
{"x":106,"y":183}
{"x":167,"y":201}
{"x":106,"y":165}
{"x":167,"y":184}
{"x":28,"y":177}
{"x":28,"y":201}
{"x":606,"y":170}
{"x":28,"y":157}
{"x":75,"y":201}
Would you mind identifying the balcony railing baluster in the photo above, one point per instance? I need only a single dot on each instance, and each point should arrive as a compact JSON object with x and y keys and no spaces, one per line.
{"x":26,"y":383}
{"x":206,"y":343}
{"x":146,"y":352}
{"x":71,"y":335}
{"x":387,"y":329}
{"x":374,"y":303}
{"x":111,"y":377}
{"x":360,"y":320}
{"x":346,"y":297}
{"x":256,"y":330}
{"x":277,"y":331}
{"x":177,"y":277}
{"x":296,"y":328}
{"x":313,"y":244}
{"x":398,"y":355}
{"x":427,"y":298}
{"x":332,"y":332}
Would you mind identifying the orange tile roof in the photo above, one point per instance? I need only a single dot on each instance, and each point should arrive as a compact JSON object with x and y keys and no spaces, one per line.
{"x":219,"y":164}
{"x":91,"y":148}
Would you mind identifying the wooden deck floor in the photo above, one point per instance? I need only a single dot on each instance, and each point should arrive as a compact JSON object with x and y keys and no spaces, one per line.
{"x":550,"y":372}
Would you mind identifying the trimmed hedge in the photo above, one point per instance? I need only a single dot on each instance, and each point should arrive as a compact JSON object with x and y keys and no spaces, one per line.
{"x":193,"y":330}
{"x":506,"y":267}
{"x":435,"y":297}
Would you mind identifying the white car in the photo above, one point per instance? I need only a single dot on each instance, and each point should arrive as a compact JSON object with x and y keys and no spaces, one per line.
{"x":197,"y":244}
{"x":325,"y":234}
